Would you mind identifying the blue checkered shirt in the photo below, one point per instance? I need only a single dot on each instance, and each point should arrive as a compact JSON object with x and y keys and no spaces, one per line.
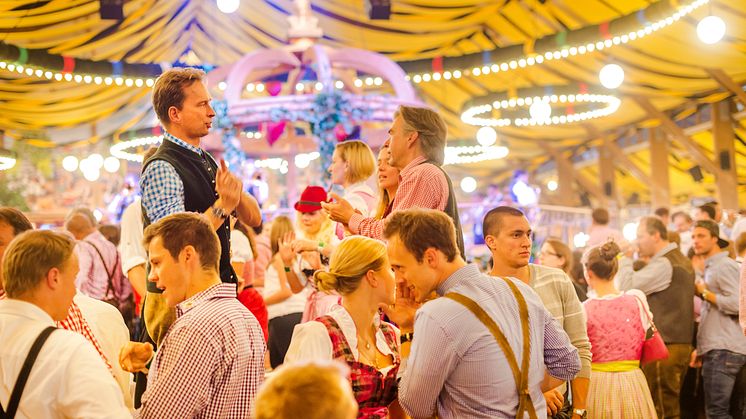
{"x":161,"y":186}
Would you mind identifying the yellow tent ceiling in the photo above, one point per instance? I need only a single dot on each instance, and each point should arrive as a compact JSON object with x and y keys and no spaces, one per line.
{"x":667,"y":67}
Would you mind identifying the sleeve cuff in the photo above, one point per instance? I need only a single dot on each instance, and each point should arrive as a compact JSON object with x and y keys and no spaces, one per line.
{"x":131,"y":263}
{"x":354,"y":223}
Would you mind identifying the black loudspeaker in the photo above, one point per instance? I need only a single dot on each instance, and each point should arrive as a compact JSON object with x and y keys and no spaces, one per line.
{"x":725,"y":160}
{"x":585,"y":200}
{"x":696,"y":173}
{"x":634,"y":199}
{"x":112,"y":9}
{"x":607,"y":188}
{"x":379,"y":9}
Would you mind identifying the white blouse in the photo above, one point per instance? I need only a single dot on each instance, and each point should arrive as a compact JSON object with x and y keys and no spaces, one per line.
{"x":311,"y":340}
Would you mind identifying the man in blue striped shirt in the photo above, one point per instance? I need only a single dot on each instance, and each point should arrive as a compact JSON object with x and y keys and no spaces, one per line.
{"x":456,"y":368}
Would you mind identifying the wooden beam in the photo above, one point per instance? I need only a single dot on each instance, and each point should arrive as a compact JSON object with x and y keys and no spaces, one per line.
{"x":607,"y":176}
{"x":660,"y":186}
{"x":565,"y":165}
{"x":724,"y":146}
{"x":724,"y":80}
{"x":678,"y":134}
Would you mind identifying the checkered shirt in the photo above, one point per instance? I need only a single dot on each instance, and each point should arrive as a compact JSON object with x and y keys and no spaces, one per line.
{"x":211,"y":361}
{"x":420,"y":185}
{"x":373,"y":390}
{"x":161,"y":186}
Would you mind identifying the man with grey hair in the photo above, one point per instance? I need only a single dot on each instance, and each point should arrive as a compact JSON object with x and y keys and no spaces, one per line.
{"x":417,"y":140}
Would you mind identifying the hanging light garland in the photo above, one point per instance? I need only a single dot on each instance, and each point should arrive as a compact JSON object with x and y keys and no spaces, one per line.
{"x":610,"y":34}
{"x":474,"y":154}
{"x":540,"y":107}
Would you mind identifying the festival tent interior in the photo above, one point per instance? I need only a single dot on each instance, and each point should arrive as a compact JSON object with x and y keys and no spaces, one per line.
{"x":557,"y":105}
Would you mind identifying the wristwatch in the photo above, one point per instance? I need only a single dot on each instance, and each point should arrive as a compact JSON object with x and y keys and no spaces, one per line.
{"x":580,"y":412}
{"x":704,"y":294}
{"x":219,"y":212}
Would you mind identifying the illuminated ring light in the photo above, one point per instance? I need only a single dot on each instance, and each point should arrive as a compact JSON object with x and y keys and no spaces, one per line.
{"x":7,"y":162}
{"x":474,"y":154}
{"x":528,"y":60}
{"x":119,"y":150}
{"x":470,"y":115}
{"x":77,"y":78}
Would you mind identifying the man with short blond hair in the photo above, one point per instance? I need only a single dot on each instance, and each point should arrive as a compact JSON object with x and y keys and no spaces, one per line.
{"x":67,"y":378}
{"x":211,"y":361}
{"x":417,"y":140}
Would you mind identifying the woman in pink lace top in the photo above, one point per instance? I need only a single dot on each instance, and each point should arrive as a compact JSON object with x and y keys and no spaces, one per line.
{"x":616,"y":328}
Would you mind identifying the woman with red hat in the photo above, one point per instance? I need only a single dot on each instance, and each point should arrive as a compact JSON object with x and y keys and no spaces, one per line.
{"x":314,"y":245}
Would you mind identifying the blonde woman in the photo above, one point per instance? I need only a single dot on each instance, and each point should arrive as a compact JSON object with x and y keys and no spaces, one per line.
{"x":314,"y":245}
{"x":353,"y":331}
{"x":284,"y":308}
{"x":388,"y":183}
{"x":352,"y":164}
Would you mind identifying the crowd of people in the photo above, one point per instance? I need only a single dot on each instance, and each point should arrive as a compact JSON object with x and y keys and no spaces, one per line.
{"x":365,"y":305}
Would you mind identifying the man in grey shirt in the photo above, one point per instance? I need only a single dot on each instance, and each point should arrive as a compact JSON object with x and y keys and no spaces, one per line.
{"x":668,"y":282}
{"x":721,"y":345}
{"x":456,"y":368}
{"x":507,"y":233}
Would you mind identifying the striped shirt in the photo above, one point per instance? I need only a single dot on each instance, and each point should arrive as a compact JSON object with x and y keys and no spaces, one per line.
{"x":211,"y":361}
{"x":420,"y":185}
{"x":558,"y":294}
{"x":162,"y":188}
{"x":742,"y":304}
{"x":455,"y":364}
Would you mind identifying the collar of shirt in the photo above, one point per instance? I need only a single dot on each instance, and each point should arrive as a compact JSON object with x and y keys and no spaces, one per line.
{"x":345,"y":322}
{"x":408,"y":168}
{"x":466,"y":273}
{"x":665,"y":250}
{"x":715,"y":259}
{"x":168,"y":136}
{"x":222,"y":290}
{"x":94,"y":236}
{"x":30,"y":311}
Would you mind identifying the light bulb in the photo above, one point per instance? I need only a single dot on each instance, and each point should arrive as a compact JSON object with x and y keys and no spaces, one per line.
{"x":228,"y":6}
{"x":468,"y":184}
{"x":111,"y":164}
{"x":486,"y":136}
{"x":552,"y":185}
{"x":91,"y":175}
{"x":629,"y":231}
{"x":96,"y":161}
{"x":540,"y":110}
{"x":70,"y":163}
{"x":711,"y":29}
{"x":611,"y":76}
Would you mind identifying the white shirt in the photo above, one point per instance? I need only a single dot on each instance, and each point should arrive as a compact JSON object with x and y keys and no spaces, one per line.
{"x":296,"y":303}
{"x":68,"y":380}
{"x":240,"y":248}
{"x":738,"y":228}
{"x":311,"y":340}
{"x":112,"y":334}
{"x":361,"y":197}
{"x":130,"y":243}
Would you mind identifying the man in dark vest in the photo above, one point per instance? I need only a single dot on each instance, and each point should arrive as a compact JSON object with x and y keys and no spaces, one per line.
{"x":181,"y":176}
{"x":668,"y":282}
{"x":417,"y":140}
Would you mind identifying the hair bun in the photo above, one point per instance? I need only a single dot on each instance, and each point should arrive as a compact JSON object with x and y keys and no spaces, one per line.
{"x":326,"y":281}
{"x":609,"y":250}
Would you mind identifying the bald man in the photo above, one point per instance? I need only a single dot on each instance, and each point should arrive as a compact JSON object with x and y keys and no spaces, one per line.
{"x":98,"y":257}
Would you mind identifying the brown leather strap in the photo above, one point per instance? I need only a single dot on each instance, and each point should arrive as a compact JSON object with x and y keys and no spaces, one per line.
{"x":520,"y":375}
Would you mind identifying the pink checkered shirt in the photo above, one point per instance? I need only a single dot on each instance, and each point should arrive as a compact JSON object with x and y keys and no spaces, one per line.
{"x":93,"y":277}
{"x":211,"y":361}
{"x":421,"y":185}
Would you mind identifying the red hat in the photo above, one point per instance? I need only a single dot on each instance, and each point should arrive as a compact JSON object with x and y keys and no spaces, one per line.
{"x":311,"y":199}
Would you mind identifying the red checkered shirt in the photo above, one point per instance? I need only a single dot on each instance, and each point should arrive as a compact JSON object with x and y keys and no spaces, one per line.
{"x":211,"y":361}
{"x":75,"y":322}
{"x":421,"y":185}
